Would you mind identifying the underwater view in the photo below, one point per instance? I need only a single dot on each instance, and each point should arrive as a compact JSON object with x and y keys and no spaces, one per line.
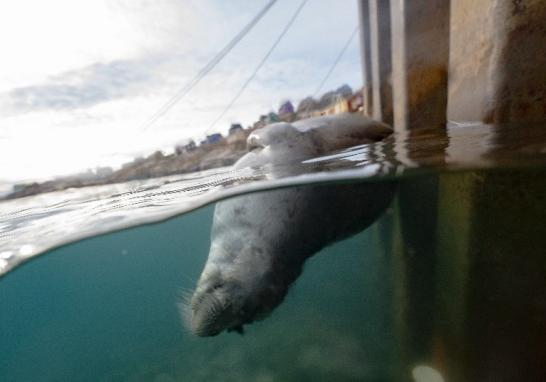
{"x":273,"y":190}
{"x":411,"y":259}
{"x":105,"y":309}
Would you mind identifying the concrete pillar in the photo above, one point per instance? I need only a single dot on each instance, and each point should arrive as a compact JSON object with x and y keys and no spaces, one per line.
{"x":498,"y":61}
{"x":420,"y":57}
{"x":366,"y":55}
{"x":469,"y":298}
{"x":490,"y":291}
{"x":380,"y":41}
{"x":468,"y":291}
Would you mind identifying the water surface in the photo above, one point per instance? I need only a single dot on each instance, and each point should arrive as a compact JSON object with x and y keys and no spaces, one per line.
{"x":31,"y":225}
{"x":449,"y":280}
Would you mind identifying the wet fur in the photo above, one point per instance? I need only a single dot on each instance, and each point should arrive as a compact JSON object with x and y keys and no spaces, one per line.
{"x":260,"y":241}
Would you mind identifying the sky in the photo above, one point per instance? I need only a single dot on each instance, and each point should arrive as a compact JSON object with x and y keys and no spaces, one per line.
{"x":79,"y":79}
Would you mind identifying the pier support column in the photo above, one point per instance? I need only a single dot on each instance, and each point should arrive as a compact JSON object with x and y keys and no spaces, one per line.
{"x":365,"y":56}
{"x":420,"y":58}
{"x":498,"y":61}
{"x":490,"y":303}
{"x":380,"y":40}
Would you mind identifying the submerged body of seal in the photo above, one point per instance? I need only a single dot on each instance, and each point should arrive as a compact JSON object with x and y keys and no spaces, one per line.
{"x":260,"y":241}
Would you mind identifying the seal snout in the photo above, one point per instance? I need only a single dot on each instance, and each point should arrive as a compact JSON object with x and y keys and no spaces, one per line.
{"x":211,"y":314}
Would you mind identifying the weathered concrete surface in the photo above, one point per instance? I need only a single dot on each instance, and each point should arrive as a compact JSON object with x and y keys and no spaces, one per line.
{"x":366,"y":56}
{"x":491,"y":296}
{"x":498,"y":61}
{"x":466,"y":251}
{"x":414,"y":262}
{"x":420,"y":58}
{"x":380,"y":40}
{"x":468,"y":264}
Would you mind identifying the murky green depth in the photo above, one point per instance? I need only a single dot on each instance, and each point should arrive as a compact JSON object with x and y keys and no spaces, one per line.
{"x":450,"y":279}
{"x":104,"y":309}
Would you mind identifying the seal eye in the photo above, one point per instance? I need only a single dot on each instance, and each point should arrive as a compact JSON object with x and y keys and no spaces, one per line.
{"x":217,"y":286}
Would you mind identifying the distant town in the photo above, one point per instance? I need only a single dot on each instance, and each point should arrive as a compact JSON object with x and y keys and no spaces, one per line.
{"x":214,"y":151}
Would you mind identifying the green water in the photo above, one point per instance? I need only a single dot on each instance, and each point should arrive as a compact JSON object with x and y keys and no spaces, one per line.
{"x":451,"y":280}
{"x":104,"y":309}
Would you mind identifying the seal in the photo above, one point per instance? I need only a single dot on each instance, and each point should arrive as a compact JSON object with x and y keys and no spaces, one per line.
{"x":260,"y":241}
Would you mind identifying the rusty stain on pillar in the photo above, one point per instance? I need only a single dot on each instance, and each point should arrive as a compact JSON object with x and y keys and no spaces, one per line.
{"x":365,"y":53}
{"x":420,"y":57}
{"x":380,"y":41}
{"x":498,"y":61}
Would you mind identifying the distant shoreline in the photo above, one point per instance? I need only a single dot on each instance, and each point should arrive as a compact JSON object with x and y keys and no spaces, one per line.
{"x":203,"y":157}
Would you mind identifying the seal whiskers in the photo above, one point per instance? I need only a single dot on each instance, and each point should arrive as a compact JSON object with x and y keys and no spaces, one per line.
{"x":184,"y":306}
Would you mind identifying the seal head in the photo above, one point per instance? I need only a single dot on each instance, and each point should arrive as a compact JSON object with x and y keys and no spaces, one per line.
{"x":231,"y":295}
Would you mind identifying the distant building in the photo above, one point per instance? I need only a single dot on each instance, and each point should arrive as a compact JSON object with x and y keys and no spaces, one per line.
{"x":213,"y":138}
{"x":272,"y":117}
{"x":356,"y":102}
{"x":345,"y":91}
{"x":286,"y":108}
{"x":327,"y":99}
{"x":190,"y":146}
{"x":341,"y":102}
{"x":260,"y":123}
{"x":235,"y":127}
{"x":237,"y":136}
{"x":286,"y":112}
{"x":185,"y":147}
{"x":337,"y":106}
{"x":307,"y":108}
{"x":157,"y":155}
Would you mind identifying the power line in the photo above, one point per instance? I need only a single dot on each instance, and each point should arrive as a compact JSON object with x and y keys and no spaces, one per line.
{"x":334,"y":64}
{"x":262,"y":62}
{"x":208,"y":67}
{"x":338,"y":58}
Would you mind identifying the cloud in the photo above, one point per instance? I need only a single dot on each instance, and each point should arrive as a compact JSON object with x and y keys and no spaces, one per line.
{"x":194,"y":29}
{"x":89,"y":86}
{"x":80,"y":79}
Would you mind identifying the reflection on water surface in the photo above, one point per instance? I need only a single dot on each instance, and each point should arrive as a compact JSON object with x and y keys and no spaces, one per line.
{"x":37,"y":223}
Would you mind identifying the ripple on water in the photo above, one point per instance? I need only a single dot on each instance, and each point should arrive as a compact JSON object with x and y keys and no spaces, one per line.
{"x":29,"y":226}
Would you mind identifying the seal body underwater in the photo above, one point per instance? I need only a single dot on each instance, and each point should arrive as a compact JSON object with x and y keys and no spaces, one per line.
{"x":260,"y":241}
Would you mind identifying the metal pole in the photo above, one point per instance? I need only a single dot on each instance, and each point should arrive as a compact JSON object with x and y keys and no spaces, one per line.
{"x":365,"y":53}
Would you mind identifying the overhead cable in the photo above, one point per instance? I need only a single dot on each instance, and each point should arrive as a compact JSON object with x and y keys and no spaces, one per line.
{"x":338,"y":58}
{"x":208,"y":67}
{"x":259,"y":66}
{"x":332,"y":67}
